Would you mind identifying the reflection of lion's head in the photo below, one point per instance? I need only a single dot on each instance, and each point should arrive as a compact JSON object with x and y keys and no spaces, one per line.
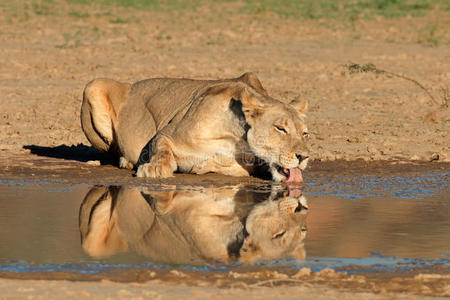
{"x":276,"y":229}
{"x":276,"y":133}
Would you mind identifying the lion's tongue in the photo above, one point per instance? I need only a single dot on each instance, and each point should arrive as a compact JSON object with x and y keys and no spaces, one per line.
{"x":295,"y":175}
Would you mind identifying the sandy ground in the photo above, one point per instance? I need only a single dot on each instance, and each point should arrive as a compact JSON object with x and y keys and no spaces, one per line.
{"x":267,"y":284}
{"x":19,"y":289}
{"x":47,"y":58}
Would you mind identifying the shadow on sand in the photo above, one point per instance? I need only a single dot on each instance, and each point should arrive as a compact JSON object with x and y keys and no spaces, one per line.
{"x":80,"y":152}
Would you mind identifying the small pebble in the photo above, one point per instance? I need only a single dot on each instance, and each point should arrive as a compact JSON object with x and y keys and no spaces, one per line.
{"x":303,"y":272}
{"x":94,"y":163}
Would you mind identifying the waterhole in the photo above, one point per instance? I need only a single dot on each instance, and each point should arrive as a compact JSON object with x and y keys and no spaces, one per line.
{"x":357,"y":223}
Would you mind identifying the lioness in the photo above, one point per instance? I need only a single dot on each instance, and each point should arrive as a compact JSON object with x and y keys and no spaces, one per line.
{"x":184,"y":226}
{"x":163,"y":125}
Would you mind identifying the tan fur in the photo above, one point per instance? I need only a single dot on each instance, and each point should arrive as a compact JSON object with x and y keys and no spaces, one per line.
{"x":185,"y":226}
{"x":102,"y":99}
{"x":193,"y":126}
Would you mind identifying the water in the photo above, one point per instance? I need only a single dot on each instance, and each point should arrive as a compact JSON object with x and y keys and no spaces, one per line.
{"x":371,"y":222}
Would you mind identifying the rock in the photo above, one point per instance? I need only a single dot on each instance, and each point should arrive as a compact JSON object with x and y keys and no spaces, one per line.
{"x":327,"y":272}
{"x":94,"y":163}
{"x":278,"y":275}
{"x":431,"y":117}
{"x":352,"y":139}
{"x":303,"y":272}
{"x":371,"y":149}
{"x":178,"y":274}
{"x":434,"y":156}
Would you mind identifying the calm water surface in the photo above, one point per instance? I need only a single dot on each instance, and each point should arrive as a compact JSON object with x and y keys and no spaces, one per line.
{"x":378,"y":222}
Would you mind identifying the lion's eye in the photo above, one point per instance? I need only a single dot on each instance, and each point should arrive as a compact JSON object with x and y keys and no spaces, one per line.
{"x":278,"y":235}
{"x":305,"y":134}
{"x":280,"y":129}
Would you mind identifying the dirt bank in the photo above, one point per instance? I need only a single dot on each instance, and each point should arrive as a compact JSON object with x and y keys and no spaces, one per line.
{"x":173,"y":284}
{"x":14,"y":289}
{"x":81,"y":164}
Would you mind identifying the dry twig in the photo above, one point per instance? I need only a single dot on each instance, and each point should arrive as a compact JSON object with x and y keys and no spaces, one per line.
{"x":356,"y":68}
{"x":445,"y":96}
{"x":272,"y":281}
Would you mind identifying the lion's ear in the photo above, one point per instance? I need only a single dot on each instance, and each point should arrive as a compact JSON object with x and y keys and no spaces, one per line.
{"x":252,"y":80}
{"x":300,"y":104}
{"x":248,"y":101}
{"x":252,"y":107}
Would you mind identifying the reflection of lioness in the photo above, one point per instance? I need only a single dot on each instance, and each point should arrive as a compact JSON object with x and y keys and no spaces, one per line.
{"x":196,"y":126}
{"x":210,"y":224}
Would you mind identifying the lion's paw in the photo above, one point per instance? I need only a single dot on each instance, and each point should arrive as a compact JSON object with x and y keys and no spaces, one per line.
{"x":153,"y":170}
{"x":125,"y":163}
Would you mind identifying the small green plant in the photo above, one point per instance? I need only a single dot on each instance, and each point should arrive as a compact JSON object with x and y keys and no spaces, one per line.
{"x":357,"y":68}
{"x":97,"y":32}
{"x":391,"y":40}
{"x":78,"y":14}
{"x":119,"y":20}
{"x":105,"y":13}
{"x":41,"y":8}
{"x":137,"y":4}
{"x":162,"y":36}
{"x":429,"y":35}
{"x":217,"y":41}
{"x":71,"y":40}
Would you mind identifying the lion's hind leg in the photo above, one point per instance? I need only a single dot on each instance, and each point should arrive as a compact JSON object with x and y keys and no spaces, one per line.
{"x":100,"y":234}
{"x":101,"y":102}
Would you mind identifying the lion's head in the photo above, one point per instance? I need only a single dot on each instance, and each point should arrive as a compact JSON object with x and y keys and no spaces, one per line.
{"x":276,"y":132}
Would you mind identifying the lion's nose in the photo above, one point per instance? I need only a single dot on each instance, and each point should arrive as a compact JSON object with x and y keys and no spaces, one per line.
{"x":301,"y":157}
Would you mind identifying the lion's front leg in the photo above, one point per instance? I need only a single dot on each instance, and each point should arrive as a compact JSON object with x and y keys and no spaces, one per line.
{"x":162,"y":163}
{"x":125,"y":163}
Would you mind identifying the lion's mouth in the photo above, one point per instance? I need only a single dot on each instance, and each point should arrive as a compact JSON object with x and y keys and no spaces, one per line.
{"x":292,"y":175}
